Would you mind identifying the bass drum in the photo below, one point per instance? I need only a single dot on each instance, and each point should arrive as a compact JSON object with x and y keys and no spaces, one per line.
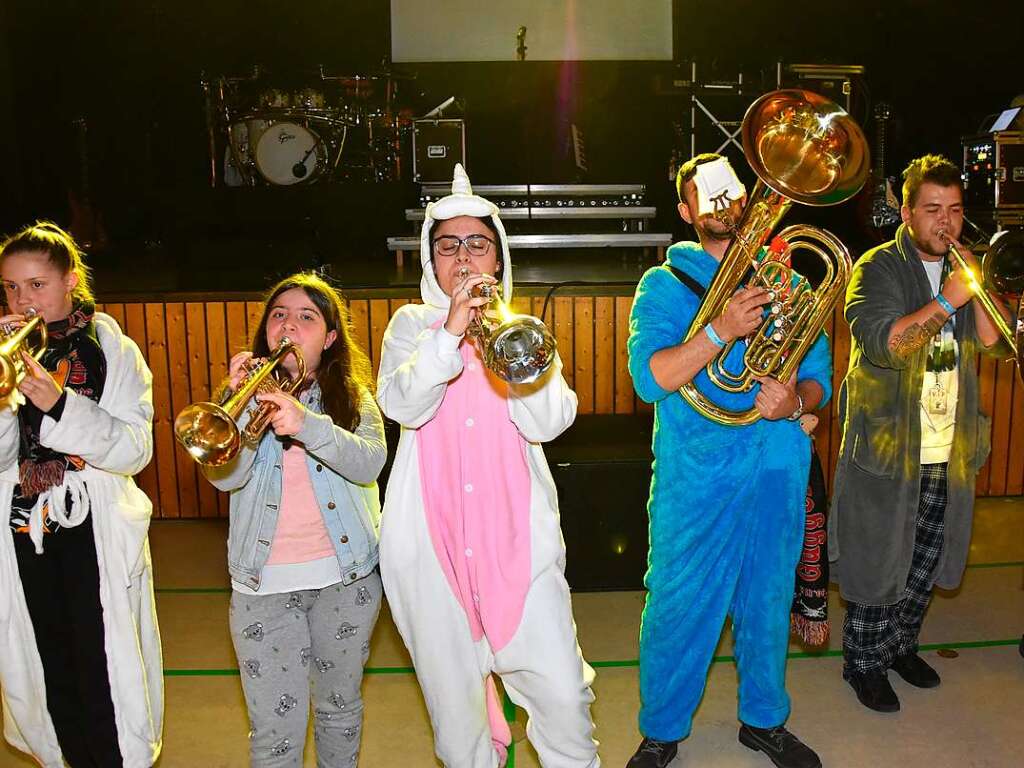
{"x":288,"y":153}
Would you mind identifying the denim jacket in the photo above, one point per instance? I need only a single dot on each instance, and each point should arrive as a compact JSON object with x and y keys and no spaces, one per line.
{"x":343,"y":467}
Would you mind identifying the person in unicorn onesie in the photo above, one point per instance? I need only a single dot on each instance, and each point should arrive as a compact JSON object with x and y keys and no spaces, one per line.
{"x":727,"y":502}
{"x":471,"y":551}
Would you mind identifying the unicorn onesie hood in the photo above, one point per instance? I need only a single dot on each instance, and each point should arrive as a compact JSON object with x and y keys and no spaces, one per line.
{"x":461,"y":202}
{"x":471,"y":550}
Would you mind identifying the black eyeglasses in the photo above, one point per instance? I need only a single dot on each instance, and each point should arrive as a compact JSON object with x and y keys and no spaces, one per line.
{"x":476,"y":245}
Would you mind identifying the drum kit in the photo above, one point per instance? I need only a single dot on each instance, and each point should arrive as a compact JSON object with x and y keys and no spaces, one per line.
{"x":330,"y":128}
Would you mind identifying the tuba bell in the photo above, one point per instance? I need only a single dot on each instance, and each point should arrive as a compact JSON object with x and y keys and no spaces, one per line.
{"x":14,"y":341}
{"x":518,"y":348}
{"x":210,"y":433}
{"x":806,"y":149}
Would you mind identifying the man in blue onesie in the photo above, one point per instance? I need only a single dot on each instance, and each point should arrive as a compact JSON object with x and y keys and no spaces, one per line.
{"x":727,"y":502}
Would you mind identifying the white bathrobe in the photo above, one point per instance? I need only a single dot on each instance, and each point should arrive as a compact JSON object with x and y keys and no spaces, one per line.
{"x":115,"y":439}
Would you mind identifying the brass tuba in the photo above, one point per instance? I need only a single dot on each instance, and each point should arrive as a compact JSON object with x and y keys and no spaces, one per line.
{"x":519,"y":348}
{"x":14,"y":342}
{"x":210,"y":433}
{"x":805,"y":149}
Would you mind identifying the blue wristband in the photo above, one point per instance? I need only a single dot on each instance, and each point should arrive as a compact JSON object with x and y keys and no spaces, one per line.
{"x":715,"y":338}
{"x":944,"y":303}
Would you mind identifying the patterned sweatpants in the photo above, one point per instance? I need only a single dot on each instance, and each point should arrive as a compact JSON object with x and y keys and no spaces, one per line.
{"x":876,"y":635}
{"x":301,"y":647}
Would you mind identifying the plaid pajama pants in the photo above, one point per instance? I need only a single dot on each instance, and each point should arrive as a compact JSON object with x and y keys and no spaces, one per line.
{"x":876,"y":635}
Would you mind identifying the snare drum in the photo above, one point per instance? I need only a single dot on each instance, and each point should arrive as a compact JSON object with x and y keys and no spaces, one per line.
{"x":288,"y":153}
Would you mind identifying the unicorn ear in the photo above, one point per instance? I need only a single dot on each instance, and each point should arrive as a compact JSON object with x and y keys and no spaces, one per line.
{"x":460,"y":181}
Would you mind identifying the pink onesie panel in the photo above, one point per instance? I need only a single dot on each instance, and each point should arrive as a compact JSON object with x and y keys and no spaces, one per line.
{"x":301,"y":535}
{"x":476,"y":491}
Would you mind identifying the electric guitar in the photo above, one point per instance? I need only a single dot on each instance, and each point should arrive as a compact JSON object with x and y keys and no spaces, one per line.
{"x":882,"y":214}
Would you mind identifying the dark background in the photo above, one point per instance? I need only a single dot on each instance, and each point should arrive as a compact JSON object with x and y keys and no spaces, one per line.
{"x":132,"y":69}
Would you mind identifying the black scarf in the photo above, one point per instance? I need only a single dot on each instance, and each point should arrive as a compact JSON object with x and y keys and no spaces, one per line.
{"x":75,"y":359}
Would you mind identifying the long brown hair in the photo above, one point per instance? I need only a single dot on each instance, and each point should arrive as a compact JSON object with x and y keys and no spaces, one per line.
{"x":344,"y":372}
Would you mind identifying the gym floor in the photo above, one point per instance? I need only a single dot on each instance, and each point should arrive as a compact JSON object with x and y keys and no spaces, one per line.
{"x":970,"y":636}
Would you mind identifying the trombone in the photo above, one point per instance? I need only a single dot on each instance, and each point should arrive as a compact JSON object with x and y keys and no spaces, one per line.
{"x":18,"y":340}
{"x":1002,"y":271}
{"x":210,"y":433}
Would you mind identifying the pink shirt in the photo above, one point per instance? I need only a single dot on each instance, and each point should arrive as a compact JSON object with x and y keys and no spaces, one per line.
{"x":301,"y":535}
{"x":476,"y":490}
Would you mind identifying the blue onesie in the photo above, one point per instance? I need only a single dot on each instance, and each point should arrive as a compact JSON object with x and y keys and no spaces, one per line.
{"x":726,"y":521}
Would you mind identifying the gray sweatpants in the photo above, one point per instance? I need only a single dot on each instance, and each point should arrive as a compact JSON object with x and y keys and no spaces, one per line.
{"x":302,"y":647}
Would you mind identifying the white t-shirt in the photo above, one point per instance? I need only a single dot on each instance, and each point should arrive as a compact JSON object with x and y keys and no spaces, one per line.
{"x":939,"y":391}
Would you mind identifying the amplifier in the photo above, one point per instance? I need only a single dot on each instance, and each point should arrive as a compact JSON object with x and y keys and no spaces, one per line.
{"x":602,"y":470}
{"x":994,"y":170}
{"x":437,"y":145}
{"x":836,"y":81}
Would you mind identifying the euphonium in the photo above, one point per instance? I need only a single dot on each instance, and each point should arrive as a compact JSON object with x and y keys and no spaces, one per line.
{"x":804,"y":149}
{"x":13,"y":343}
{"x":520,"y":348}
{"x":210,"y":433}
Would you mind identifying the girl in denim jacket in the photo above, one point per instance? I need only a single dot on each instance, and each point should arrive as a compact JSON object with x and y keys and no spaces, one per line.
{"x":302,"y":543}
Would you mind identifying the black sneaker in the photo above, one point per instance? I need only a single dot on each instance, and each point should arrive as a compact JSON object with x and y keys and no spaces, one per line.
{"x":653,"y":754}
{"x":782,"y":747}
{"x":873,"y":690}
{"x":916,"y":671}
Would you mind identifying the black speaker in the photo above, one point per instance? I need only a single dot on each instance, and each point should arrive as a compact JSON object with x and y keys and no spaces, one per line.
{"x":602,"y":469}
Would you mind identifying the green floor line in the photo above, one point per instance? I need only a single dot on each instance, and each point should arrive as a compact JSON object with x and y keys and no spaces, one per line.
{"x":616,"y":664}
{"x":1007,"y":564}
{"x":227,"y":590}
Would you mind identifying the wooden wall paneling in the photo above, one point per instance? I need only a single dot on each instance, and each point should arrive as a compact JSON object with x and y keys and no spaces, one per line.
{"x":163,"y":437}
{"x":253,"y":312}
{"x":583,"y":352}
{"x":217,"y":364}
{"x":200,"y":391}
{"x":181,"y":396}
{"x":359,"y":317}
{"x":135,"y":326}
{"x":1001,"y":409}
{"x":237,"y":322}
{"x":604,"y":354}
{"x":1015,"y":462}
{"x":986,"y":398}
{"x":623,"y":383}
{"x":379,"y":316}
{"x":563,"y":330}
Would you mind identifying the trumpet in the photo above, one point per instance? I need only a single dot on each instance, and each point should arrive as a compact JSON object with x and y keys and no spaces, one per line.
{"x":14,"y":342}
{"x":519,"y":348}
{"x":210,"y":433}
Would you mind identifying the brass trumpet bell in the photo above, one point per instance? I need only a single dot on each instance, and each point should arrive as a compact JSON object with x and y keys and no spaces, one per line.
{"x":520,"y":348}
{"x":13,"y":343}
{"x":210,"y":433}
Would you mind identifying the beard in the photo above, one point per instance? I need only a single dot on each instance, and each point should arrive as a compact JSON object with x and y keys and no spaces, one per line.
{"x":712,"y":229}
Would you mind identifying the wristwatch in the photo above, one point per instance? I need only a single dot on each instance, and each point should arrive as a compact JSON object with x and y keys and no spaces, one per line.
{"x":795,"y":415}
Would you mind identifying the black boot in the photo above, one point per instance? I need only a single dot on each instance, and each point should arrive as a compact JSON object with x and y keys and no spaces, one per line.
{"x":653,"y":754}
{"x":873,"y":690}
{"x":916,"y":671}
{"x":782,"y":747}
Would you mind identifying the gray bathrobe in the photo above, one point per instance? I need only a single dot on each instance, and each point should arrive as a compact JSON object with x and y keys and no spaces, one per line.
{"x":877,"y":480}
